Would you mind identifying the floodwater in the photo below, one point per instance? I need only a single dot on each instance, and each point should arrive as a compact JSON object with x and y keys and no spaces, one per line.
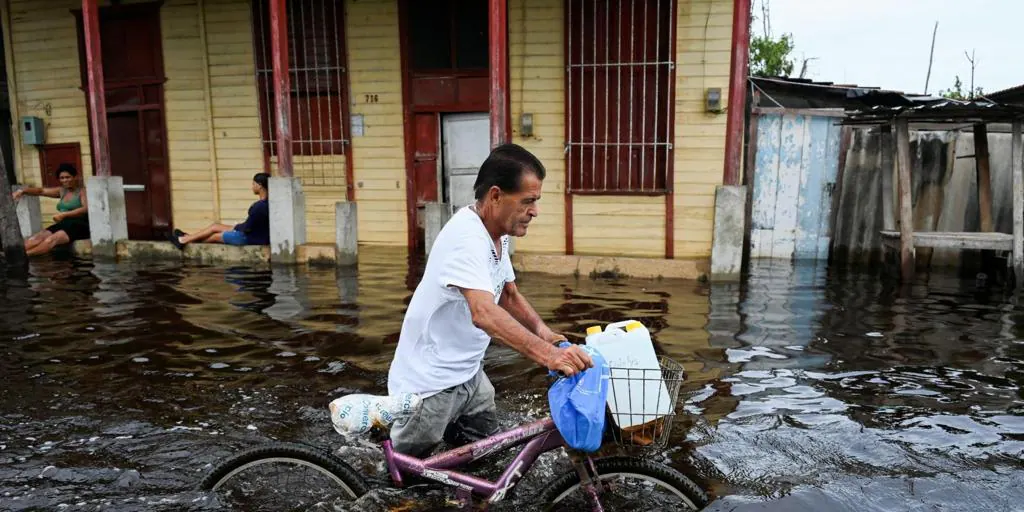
{"x":807,"y":389}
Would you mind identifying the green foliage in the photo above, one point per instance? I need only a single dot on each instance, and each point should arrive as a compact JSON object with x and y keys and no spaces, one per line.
{"x":770,"y":56}
{"x":957,"y":91}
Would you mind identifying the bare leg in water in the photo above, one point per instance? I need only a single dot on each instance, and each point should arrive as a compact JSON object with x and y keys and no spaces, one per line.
{"x":36,"y":239}
{"x":48,"y":243}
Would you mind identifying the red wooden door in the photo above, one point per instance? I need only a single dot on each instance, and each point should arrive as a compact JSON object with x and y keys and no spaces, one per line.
{"x":126,"y":161}
{"x":425,"y":166}
{"x":134,"y":81}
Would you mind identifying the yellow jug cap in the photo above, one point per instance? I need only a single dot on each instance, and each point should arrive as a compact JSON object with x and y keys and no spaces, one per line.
{"x":594,"y":329}
{"x":633,"y":325}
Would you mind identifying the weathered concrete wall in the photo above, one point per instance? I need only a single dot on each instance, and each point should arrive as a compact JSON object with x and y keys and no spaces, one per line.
{"x":727,"y":248}
{"x":944,"y":190}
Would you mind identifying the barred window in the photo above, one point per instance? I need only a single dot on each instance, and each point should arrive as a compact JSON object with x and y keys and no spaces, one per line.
{"x":319,"y":110}
{"x":618,"y":77}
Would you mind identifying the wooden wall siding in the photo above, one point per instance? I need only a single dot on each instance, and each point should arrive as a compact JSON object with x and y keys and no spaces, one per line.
{"x":44,"y":47}
{"x":237,"y":126}
{"x":703,"y":44}
{"x":619,"y":225}
{"x":188,"y":137}
{"x":236,"y":122}
{"x":45,"y":50}
{"x":536,"y":86}
{"x":376,"y":94}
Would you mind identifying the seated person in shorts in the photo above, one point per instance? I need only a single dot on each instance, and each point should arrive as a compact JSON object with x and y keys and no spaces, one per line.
{"x":254,"y":231}
{"x":72,"y":220}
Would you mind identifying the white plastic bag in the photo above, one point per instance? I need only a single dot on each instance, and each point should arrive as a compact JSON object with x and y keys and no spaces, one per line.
{"x":357,"y":414}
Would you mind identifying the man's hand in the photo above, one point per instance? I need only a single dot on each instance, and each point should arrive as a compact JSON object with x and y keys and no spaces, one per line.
{"x":551,"y":337}
{"x":17,"y":194}
{"x":569,"y":361}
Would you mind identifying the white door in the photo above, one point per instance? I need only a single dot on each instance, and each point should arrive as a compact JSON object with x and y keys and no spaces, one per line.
{"x":467,"y":142}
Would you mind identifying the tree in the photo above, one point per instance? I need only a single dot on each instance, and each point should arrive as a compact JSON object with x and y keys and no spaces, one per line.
{"x":957,"y":91}
{"x":770,"y":56}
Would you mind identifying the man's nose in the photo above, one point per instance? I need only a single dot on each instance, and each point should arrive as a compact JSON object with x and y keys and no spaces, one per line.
{"x":533,"y":210}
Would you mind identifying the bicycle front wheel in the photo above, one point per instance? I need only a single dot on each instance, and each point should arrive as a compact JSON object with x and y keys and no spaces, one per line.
{"x":628,"y":484}
{"x":283,"y":476}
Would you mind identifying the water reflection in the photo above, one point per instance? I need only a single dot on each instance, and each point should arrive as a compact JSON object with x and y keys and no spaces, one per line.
{"x":845,"y":381}
{"x":808,"y":388}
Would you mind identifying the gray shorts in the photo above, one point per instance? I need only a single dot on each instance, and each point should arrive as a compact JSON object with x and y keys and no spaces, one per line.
{"x":457,"y":415}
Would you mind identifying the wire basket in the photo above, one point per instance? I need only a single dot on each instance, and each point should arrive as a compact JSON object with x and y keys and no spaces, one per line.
{"x":642,"y":403}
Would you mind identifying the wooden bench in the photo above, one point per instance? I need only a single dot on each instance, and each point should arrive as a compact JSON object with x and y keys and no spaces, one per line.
{"x":953,"y":240}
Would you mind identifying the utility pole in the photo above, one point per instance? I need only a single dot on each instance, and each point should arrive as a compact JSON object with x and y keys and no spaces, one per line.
{"x":931,"y":57}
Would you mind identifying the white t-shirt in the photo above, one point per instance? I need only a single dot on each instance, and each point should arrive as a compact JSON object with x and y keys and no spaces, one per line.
{"x":439,"y":347}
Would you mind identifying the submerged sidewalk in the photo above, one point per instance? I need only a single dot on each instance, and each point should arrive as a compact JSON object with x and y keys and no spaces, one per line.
{"x":324,"y":255}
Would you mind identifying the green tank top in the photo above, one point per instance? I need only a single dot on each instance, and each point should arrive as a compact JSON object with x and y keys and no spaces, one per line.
{"x":67,"y":205}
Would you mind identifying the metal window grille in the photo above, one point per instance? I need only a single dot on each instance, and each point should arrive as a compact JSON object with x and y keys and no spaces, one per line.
{"x":319,"y":117}
{"x":619,"y":70}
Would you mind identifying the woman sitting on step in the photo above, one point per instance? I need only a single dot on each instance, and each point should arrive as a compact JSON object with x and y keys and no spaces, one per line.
{"x":254,"y":231}
{"x":72,"y":220}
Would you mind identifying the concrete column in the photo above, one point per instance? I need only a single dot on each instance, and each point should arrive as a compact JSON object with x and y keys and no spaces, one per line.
{"x":30,"y":214}
{"x":346,"y":221}
{"x":348,"y":288}
{"x":287,"y":219}
{"x":727,"y":245}
{"x":108,"y":217}
{"x":436,"y":216}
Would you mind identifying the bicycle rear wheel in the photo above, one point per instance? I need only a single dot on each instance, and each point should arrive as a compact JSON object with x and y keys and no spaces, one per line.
{"x":630,"y":484}
{"x":283,"y":476}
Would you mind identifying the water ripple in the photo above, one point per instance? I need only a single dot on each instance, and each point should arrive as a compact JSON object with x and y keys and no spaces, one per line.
{"x":807,"y":388}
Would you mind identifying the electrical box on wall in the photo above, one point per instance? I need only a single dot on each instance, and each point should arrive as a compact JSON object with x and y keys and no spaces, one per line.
{"x":32,"y":130}
{"x":713,"y":100}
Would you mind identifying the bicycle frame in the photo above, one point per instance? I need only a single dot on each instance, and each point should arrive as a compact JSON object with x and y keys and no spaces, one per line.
{"x":540,"y":436}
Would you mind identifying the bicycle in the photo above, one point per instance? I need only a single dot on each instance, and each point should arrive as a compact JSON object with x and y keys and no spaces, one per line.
{"x":595,"y":482}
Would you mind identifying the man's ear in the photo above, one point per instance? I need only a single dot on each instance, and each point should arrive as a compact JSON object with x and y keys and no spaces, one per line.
{"x":494,"y":193}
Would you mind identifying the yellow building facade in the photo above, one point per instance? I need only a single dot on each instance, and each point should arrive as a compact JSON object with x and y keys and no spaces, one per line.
{"x":211,"y":116}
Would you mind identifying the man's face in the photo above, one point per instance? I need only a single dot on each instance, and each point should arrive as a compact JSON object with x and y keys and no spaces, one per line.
{"x":516,"y":210}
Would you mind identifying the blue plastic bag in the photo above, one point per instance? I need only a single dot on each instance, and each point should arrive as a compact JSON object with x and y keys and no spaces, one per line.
{"x":578,"y":403}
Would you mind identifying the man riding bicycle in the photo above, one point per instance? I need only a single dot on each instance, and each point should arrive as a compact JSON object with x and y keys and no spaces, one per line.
{"x":467,"y":297}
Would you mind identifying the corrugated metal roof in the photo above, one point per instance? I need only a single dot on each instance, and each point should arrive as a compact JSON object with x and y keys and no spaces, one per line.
{"x":943,"y":111}
{"x":1009,"y":95}
{"x":803,"y":93}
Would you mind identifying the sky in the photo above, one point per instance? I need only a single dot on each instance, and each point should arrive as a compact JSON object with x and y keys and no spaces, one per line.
{"x":885,"y":43}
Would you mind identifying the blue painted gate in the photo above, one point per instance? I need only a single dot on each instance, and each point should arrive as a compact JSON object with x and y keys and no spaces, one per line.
{"x":796,"y":160}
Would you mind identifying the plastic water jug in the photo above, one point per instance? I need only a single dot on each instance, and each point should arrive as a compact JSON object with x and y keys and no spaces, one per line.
{"x":637,"y":394}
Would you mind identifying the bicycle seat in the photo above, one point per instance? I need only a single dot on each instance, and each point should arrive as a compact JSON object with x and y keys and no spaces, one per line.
{"x":359,"y":413}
